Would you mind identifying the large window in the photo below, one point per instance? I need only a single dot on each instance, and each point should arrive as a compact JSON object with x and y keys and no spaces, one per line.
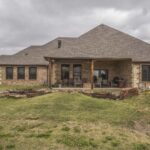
{"x":21,"y":72}
{"x":32,"y":73}
{"x":77,"y":72}
{"x":100,"y":75}
{"x":65,"y":71}
{"x":9,"y":73}
{"x":146,"y":73}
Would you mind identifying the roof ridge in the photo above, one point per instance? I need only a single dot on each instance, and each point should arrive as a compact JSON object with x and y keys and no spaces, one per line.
{"x":113,"y":28}
{"x":128,"y":34}
{"x":101,"y":25}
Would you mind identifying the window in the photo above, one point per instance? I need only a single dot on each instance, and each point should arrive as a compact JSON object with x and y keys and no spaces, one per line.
{"x":146,"y":73}
{"x":9,"y":73}
{"x":65,"y":72}
{"x":32,"y":73}
{"x":100,"y":74}
{"x":77,"y":72}
{"x":21,"y":72}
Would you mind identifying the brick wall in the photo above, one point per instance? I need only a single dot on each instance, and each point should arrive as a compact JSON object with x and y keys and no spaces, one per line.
{"x":41,"y":76}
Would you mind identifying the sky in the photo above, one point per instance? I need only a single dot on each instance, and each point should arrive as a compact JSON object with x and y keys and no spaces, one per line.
{"x":35,"y":22}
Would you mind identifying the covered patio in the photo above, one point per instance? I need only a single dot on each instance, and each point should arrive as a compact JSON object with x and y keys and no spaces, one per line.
{"x":89,"y":73}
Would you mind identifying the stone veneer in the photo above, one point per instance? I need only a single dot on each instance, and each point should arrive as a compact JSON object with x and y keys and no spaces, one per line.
{"x":132,"y":72}
{"x":41,"y":76}
{"x":137,"y":76}
{"x":115,"y":68}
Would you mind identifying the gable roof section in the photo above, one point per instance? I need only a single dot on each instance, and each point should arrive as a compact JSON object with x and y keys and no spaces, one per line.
{"x":102,"y":42}
{"x":106,"y":42}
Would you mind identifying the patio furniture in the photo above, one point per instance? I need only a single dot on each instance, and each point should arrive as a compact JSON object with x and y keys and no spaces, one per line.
{"x":78,"y":83}
{"x":105,"y":83}
{"x":118,"y":82}
{"x":71,"y":82}
{"x":65,"y":82}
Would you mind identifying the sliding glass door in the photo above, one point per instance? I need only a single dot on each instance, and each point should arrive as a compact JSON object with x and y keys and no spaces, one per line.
{"x":101,"y":77}
{"x":65,"y":72}
{"x":77,"y":72}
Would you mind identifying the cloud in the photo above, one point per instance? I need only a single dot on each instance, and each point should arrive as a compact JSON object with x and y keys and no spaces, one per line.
{"x":35,"y":22}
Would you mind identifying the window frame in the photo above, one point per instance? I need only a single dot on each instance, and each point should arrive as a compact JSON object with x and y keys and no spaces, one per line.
{"x":99,"y":73}
{"x":147,"y":79}
{"x":12,"y":75}
{"x":19,"y":76}
{"x":80,"y":75}
{"x":66,"y":65}
{"x":31,"y":75}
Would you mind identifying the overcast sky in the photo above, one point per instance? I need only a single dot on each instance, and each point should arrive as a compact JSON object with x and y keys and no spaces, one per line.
{"x":34,"y":22}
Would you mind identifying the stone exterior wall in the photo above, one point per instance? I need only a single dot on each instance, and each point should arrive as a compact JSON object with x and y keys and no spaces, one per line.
{"x":41,"y":76}
{"x":132,"y":72}
{"x":137,"y":76}
{"x":112,"y":68}
{"x":56,"y":77}
{"x":125,"y":71}
{"x":115,"y":68}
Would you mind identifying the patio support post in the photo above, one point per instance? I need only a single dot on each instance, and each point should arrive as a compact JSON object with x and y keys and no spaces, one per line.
{"x":92,"y":73}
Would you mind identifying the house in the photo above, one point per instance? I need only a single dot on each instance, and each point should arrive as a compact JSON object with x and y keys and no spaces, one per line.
{"x":102,"y":57}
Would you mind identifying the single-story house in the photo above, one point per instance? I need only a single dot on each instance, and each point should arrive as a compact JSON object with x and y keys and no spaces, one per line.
{"x":102,"y":57}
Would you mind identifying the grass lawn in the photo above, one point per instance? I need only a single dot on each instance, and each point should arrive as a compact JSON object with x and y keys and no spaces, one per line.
{"x":67,"y":121}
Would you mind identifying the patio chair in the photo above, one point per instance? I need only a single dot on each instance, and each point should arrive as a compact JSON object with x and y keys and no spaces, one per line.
{"x":71,"y":82}
{"x":65,"y":82}
{"x":105,"y":83}
{"x":78,"y":83}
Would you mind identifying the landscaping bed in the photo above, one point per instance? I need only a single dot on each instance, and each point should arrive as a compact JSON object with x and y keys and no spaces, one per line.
{"x":123,"y":94}
{"x":24,"y":93}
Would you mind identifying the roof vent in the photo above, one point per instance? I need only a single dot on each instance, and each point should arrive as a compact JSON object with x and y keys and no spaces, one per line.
{"x":59,"y":43}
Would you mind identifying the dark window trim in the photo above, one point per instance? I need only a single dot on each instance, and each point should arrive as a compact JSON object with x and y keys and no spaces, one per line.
{"x":68,"y":65}
{"x":147,"y":79}
{"x":81,"y":70}
{"x":105,"y":70}
{"x":18,"y":75}
{"x":32,"y":78}
{"x":12,"y":75}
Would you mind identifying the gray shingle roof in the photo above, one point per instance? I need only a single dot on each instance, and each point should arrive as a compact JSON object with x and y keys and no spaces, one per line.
{"x":102,"y":42}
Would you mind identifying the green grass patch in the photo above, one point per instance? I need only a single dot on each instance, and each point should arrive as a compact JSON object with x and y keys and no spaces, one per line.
{"x":65,"y":128}
{"x":75,"y":121}
{"x":139,"y":146}
{"x":10,"y":146}
{"x":77,"y":141}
